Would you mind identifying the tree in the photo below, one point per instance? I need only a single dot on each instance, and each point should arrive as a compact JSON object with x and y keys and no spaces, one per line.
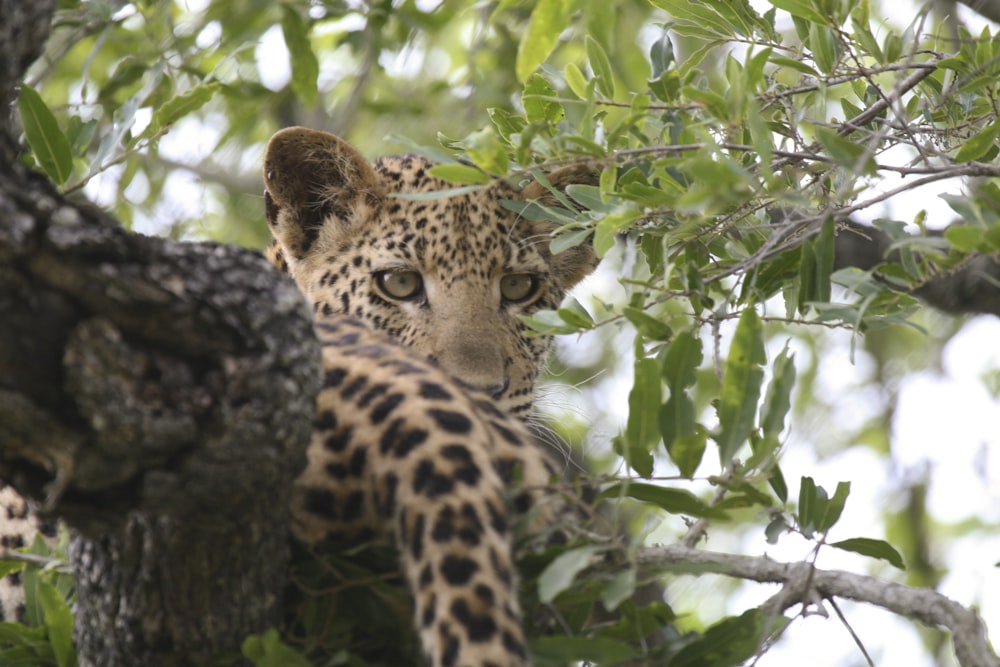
{"x":743,"y":152}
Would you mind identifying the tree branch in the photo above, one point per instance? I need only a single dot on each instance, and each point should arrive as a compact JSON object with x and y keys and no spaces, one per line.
{"x":802,"y":583}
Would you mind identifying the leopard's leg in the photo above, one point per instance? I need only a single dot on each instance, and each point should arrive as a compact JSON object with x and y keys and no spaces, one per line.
{"x":401,"y":446}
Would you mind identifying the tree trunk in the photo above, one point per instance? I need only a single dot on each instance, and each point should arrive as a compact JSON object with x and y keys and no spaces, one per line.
{"x":157,"y":396}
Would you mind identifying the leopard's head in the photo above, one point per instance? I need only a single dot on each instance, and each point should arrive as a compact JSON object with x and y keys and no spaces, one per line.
{"x":443,"y":273}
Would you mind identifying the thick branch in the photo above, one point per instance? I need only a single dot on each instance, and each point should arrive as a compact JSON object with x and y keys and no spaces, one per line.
{"x":163,"y":411}
{"x":803,"y":582}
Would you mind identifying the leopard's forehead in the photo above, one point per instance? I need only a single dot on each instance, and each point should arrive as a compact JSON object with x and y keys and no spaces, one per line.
{"x":474,"y":225}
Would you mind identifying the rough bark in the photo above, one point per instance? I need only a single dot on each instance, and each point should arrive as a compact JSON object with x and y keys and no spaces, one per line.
{"x":973,"y":287}
{"x":158,"y":397}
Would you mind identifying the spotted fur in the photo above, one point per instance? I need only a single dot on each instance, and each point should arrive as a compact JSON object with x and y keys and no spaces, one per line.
{"x":417,"y":437}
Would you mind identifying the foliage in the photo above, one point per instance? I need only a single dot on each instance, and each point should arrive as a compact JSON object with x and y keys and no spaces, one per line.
{"x":45,"y":638}
{"x":733,"y":139}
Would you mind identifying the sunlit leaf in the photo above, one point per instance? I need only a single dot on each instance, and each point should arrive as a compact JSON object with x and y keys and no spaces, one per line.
{"x":834,"y":507}
{"x":41,"y":130}
{"x":178,"y":107}
{"x":548,"y":19}
{"x":567,"y":240}
{"x":538,"y":101}
{"x":58,"y":624}
{"x":561,"y":572}
{"x":620,"y":588}
{"x":267,"y":650}
{"x":979,"y":144}
{"x":602,"y":67}
{"x":459,"y":173}
{"x":577,"y":82}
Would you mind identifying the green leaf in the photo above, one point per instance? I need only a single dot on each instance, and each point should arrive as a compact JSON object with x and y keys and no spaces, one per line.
{"x":642,"y":428}
{"x":620,"y":588}
{"x":548,"y":19}
{"x":775,"y":529}
{"x":731,"y":641}
{"x":979,"y":144}
{"x":180,"y":106}
{"x":800,"y":8}
{"x":487,"y":151}
{"x":681,"y":361}
{"x":846,"y":152}
{"x":547,"y":323}
{"x":588,"y":196}
{"x":593,"y":650}
{"x":539,"y":105}
{"x":41,"y":130}
{"x":435,"y":195}
{"x":741,"y":385}
{"x":777,"y":401}
{"x":964,"y":238}
{"x":796,"y":65}
{"x":507,"y":124}
{"x":686,"y":449}
{"x":867,"y":546}
{"x":10,"y":566}
{"x":648,"y":326}
{"x":568,"y":240}
{"x":675,"y":501}
{"x":834,"y":507}
{"x":815,"y":267}
{"x":825,"y":47}
{"x":661,"y":56}
{"x":267,"y":650}
{"x":459,"y":173}
{"x":305,"y":66}
{"x":560,"y":573}
{"x":682,"y":437}
{"x":810,"y":500}
{"x":58,"y":624}
{"x":575,"y":314}
{"x":599,"y":62}
{"x":577,"y":82}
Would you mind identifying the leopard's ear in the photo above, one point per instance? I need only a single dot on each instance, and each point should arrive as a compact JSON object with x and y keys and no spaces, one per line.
{"x":570,"y":266}
{"x":313,"y":179}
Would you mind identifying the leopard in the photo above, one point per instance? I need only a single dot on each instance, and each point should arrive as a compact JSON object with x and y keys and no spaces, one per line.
{"x":420,"y":439}
{"x":420,"y":292}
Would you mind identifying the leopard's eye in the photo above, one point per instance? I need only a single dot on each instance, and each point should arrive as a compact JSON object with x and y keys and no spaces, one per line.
{"x":401,"y":284}
{"x":518,"y":287}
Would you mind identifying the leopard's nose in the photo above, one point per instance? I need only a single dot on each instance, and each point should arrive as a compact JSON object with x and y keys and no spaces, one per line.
{"x":494,"y":390}
{"x":476,"y":367}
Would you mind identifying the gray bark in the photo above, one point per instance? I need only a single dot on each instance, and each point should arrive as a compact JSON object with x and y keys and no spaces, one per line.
{"x":158,"y":397}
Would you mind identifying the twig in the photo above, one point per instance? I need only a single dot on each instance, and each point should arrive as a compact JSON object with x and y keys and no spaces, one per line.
{"x":972,"y":648}
{"x":35,"y":559}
